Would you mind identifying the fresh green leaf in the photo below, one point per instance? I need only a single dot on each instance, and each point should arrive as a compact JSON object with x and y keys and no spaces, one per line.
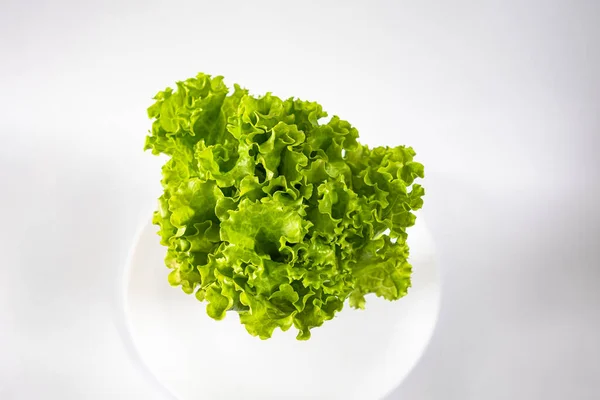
{"x":269,"y":213}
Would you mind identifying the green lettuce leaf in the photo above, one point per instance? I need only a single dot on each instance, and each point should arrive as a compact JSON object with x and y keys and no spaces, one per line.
{"x":273,"y":215}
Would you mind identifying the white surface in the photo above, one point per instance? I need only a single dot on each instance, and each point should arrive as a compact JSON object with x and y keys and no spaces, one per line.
{"x":358,"y":355}
{"x":500,"y":99}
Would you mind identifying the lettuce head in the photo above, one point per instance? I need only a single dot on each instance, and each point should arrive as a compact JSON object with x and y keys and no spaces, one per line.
{"x":272,"y":214}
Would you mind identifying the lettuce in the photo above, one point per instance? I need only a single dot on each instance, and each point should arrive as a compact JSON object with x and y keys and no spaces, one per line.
{"x":272,"y":214}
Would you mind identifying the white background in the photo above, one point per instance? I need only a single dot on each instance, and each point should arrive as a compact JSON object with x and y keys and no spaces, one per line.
{"x":500,"y":99}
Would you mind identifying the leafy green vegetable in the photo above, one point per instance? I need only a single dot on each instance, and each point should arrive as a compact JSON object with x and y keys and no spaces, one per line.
{"x":272,"y":214}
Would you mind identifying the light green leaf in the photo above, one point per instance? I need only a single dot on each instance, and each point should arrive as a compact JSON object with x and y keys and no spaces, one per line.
{"x":273,"y":215}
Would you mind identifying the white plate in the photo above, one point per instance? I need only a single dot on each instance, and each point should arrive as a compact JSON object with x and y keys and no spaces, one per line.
{"x":358,"y":355}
